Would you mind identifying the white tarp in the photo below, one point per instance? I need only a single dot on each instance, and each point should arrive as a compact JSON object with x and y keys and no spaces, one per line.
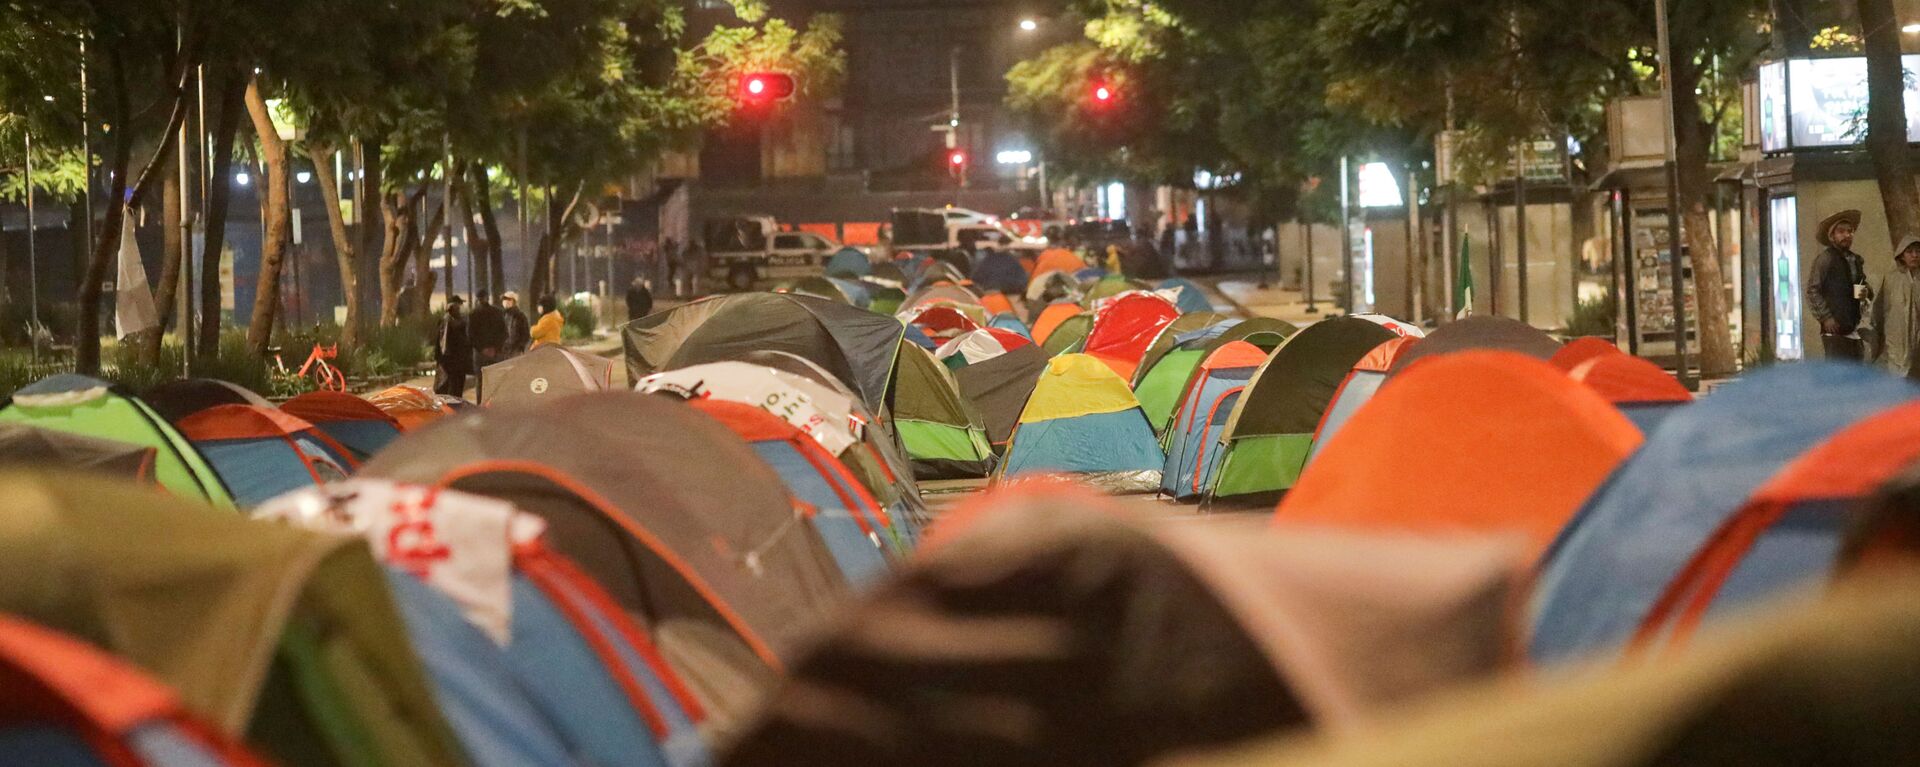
{"x":459,"y":543}
{"x":824,"y":414}
{"x":976,"y":347}
{"x":133,"y":310}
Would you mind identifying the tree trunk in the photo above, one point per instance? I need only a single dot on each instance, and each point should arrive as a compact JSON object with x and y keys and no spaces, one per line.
{"x":398,"y":212}
{"x":423,"y":275}
{"x":345,"y":253}
{"x":165,"y":294}
{"x":279,"y":215}
{"x":559,"y":220}
{"x":477,"y":248}
{"x":1692,"y":138}
{"x":496,"y":258}
{"x":369,"y":200}
{"x":87,"y":345}
{"x":219,"y":195}
{"x":1887,"y":119}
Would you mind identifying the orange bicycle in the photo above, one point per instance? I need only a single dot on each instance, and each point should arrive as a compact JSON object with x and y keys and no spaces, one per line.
{"x":324,"y":375}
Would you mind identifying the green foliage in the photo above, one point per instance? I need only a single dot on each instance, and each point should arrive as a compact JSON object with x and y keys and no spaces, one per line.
{"x":16,"y":370}
{"x":1594,"y":317}
{"x":578,"y":318}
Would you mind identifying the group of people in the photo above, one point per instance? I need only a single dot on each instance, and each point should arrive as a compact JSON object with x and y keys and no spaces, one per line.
{"x":465,"y":344}
{"x":1860,"y":321}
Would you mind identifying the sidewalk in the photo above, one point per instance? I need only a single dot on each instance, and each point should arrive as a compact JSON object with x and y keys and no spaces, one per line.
{"x":1248,"y":299}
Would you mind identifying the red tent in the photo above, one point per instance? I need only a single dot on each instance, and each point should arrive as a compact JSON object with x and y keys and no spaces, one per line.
{"x":1626,"y":379}
{"x":1582,"y":349}
{"x":1125,"y":325}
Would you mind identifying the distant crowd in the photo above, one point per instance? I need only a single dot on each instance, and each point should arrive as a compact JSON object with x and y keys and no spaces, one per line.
{"x":465,"y":344}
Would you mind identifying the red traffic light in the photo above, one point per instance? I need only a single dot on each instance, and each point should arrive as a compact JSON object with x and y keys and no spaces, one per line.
{"x":761,"y":87}
{"x":1102,"y":92}
{"x":957,"y":158}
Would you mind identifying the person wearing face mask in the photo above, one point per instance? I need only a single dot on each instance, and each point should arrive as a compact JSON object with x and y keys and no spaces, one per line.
{"x":1896,"y":327}
{"x":1837,"y":292}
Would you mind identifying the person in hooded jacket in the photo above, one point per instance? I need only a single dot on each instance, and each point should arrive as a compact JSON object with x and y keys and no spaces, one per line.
{"x":1896,"y":328}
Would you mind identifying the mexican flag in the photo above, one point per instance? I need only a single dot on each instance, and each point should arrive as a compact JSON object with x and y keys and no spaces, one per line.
{"x":1463,"y":282}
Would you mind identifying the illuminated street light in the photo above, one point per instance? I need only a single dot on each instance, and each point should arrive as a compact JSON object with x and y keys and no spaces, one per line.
{"x":1013,"y":157}
{"x":1911,"y":29}
{"x":242,"y":178}
{"x":303,"y":177}
{"x":1029,"y":25}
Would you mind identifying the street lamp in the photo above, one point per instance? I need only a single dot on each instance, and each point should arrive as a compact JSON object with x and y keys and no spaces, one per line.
{"x":1029,"y":25}
{"x":1911,"y":29}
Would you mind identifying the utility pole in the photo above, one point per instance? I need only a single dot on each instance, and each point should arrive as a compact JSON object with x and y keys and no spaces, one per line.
{"x":953,"y":112}
{"x":1306,"y":227}
{"x":1674,"y":225}
{"x":1449,"y":214}
{"x":446,"y":213}
{"x":1346,"y":238}
{"x":33,"y":260}
{"x":1520,"y":223}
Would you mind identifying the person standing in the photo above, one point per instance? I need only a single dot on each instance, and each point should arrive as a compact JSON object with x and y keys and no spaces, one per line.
{"x":517,"y":326}
{"x":550,"y":327}
{"x":639,"y":300}
{"x":453,"y":350}
{"x":1896,"y":328}
{"x":670,"y":260}
{"x":487,"y":328}
{"x":1837,"y":288}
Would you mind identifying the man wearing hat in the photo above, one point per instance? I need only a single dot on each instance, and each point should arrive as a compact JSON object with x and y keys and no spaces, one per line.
{"x":517,"y":337}
{"x":453,"y":350}
{"x":1837,"y":288}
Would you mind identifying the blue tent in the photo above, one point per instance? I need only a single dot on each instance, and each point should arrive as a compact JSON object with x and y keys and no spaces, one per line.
{"x":849,"y":263}
{"x":484,"y":703}
{"x":855,"y":291}
{"x":1612,"y":562}
{"x":1090,"y":274}
{"x":1193,"y":448}
{"x":1649,"y":415}
{"x":1011,"y":323}
{"x":261,"y":452}
{"x":1083,"y":419}
{"x":919,"y":338}
{"x":1187,"y":296}
{"x":1001,"y":271}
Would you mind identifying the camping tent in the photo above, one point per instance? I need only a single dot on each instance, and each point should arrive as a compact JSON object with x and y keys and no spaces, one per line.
{"x":857,"y":346}
{"x":1786,"y":535}
{"x":1052,"y":317}
{"x":351,"y":421}
{"x":1580,"y":350}
{"x":1070,"y":336}
{"x":1082,"y":419}
{"x":1012,"y":324}
{"x":264,"y":629}
{"x":1507,"y":447}
{"x":1271,"y":429}
{"x":1169,"y":337}
{"x":23,"y":445}
{"x":261,"y":452}
{"x":829,"y":288}
{"x":1194,"y":448}
{"x":1164,"y":380}
{"x":1000,"y":271}
{"x":1361,"y":384}
{"x":1184,"y":294}
{"x":1053,"y":628}
{"x":1644,"y":392}
{"x":410,"y":406}
{"x":680,"y":521}
{"x":1047,"y":287}
{"x":1124,"y":326}
{"x":978,"y":346}
{"x":175,"y":400}
{"x":1399,"y":328}
{"x":1635,"y":535}
{"x":999,"y":389}
{"x":846,"y":516}
{"x":940,"y":321}
{"x":1058,"y":260}
{"x":997,"y":304}
{"x":1107,"y":286}
{"x":545,"y":373}
{"x":944,"y":435}
{"x":848,"y":263}
{"x":1480,"y":332}
{"x":526,"y":651}
{"x":68,"y":704}
{"x":91,"y":407}
{"x":1810,"y":681}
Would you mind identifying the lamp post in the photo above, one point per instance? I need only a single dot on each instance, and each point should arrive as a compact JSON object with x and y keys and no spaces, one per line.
{"x":1675,"y":229}
{"x":33,"y":259}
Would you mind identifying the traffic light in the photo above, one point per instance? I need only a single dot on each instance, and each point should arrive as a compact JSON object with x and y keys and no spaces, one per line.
{"x":766,"y":87}
{"x":957,"y":158}
{"x":1104,"y":93}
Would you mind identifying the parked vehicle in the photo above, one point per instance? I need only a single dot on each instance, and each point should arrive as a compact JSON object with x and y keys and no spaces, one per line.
{"x":936,"y":229}
{"x":745,"y":251}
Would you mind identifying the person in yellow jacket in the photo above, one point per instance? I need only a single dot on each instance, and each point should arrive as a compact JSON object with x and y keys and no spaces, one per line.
{"x":547,"y":329}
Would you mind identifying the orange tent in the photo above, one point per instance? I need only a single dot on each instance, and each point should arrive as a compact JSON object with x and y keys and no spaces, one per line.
{"x":996,"y":303}
{"x":1624,"y":379}
{"x":1582,"y":349}
{"x":410,"y":406}
{"x":1058,"y":260}
{"x":1476,"y":442}
{"x":1050,"y":319}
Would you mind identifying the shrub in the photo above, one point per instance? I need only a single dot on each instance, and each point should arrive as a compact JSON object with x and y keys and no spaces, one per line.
{"x":233,"y":362}
{"x":16,"y":370}
{"x":1594,"y":318}
{"x":579,"y":319}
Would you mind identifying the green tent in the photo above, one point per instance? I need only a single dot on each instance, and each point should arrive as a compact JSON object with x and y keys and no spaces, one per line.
{"x":91,"y":407}
{"x":1109,"y":286}
{"x":1170,"y":335}
{"x":1070,"y":335}
{"x":286,"y":638}
{"x":1162,"y":387}
{"x":945,"y":436}
{"x":1270,"y":432}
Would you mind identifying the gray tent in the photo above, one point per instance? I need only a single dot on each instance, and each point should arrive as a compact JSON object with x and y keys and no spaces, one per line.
{"x":855,"y":345}
{"x":544,"y":374}
{"x":22,"y":446}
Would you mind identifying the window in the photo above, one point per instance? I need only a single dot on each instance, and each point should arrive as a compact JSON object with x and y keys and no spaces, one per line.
{"x":788,"y":242}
